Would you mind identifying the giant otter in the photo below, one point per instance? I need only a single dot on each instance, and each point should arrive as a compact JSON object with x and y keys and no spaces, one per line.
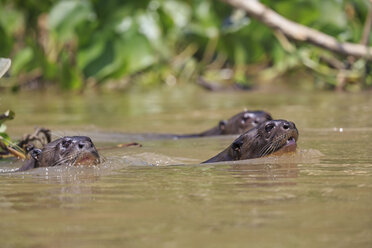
{"x":267,"y":138}
{"x":71,"y":150}
{"x":237,"y":124}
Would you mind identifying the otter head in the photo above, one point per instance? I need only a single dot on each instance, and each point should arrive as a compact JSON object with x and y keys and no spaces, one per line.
{"x":243,"y":122}
{"x":269,"y":137}
{"x":70,"y":150}
{"x":74,"y":150}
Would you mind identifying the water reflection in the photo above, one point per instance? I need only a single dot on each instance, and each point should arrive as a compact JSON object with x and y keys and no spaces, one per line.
{"x":63,"y":187}
{"x":265,"y":175}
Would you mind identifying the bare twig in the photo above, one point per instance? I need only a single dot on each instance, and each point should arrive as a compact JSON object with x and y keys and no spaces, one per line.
{"x":16,"y":153}
{"x":119,"y":146}
{"x":367,"y":26}
{"x":213,"y":86}
{"x":41,"y":135}
{"x":20,"y":150}
{"x":332,"y":62}
{"x":8,"y":151}
{"x":300,"y":32}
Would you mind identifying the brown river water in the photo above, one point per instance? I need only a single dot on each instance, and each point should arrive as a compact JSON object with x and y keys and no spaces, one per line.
{"x":159,"y":195}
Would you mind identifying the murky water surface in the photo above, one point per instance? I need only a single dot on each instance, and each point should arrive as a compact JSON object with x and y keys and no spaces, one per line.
{"x":159,"y":195}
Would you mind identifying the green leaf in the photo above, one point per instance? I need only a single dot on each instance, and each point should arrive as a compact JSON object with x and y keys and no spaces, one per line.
{"x":104,"y":60}
{"x":179,"y":12}
{"x":69,"y":75}
{"x":2,"y":128}
{"x":8,"y":115}
{"x":139,"y":53}
{"x":21,"y":60}
{"x":87,"y":55}
{"x":4,"y":137}
{"x":66,"y":15}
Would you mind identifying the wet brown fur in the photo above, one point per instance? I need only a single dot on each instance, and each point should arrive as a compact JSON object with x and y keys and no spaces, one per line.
{"x":263,"y":140}
{"x":67,"y":150}
{"x":237,"y":124}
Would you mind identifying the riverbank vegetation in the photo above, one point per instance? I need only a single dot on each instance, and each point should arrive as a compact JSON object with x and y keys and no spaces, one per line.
{"x":121,"y":44}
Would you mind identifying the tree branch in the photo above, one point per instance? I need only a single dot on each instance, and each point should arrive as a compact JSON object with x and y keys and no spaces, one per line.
{"x":367,"y":26}
{"x":300,"y":32}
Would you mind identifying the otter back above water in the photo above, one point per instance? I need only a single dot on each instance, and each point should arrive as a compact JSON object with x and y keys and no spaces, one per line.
{"x":237,"y":124}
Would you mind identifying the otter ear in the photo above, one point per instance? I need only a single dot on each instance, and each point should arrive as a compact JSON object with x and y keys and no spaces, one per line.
{"x":236,"y":147}
{"x":33,"y":161}
{"x":35,"y":154}
{"x":222,"y":124}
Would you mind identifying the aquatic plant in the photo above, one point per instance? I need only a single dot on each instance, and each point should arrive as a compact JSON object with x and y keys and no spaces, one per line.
{"x":5,"y":141}
{"x":119,"y":44}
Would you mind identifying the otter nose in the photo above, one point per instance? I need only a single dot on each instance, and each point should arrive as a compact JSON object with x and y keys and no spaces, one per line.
{"x":293,"y":125}
{"x":84,"y":144}
{"x":286,"y":125}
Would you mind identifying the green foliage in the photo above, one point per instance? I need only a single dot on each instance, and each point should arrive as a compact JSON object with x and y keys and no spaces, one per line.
{"x":70,"y":42}
{"x":8,"y":115}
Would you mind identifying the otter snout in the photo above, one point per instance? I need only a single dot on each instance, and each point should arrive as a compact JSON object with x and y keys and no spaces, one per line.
{"x":86,"y":153}
{"x":285,"y":125}
{"x":85,"y":144}
{"x":291,"y":129}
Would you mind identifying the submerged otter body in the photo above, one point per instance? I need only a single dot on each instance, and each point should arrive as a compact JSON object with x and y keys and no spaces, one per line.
{"x":237,"y":124}
{"x":267,"y":138}
{"x":70,"y":150}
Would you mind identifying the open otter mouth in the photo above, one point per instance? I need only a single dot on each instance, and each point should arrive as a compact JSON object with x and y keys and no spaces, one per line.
{"x":87,"y":159}
{"x":290,"y":142}
{"x":289,"y":146}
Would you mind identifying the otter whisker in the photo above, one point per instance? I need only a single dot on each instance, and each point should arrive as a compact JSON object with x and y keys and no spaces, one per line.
{"x":271,"y":147}
{"x":68,"y":161}
{"x":269,"y":150}
{"x":264,"y":139}
{"x":67,"y":150}
{"x":277,"y":143}
{"x":62,"y":160}
{"x":266,"y":151}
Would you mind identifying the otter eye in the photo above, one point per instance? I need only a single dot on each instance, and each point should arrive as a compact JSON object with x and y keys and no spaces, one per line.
{"x":66,"y":143}
{"x":245,"y":118}
{"x":269,"y":127}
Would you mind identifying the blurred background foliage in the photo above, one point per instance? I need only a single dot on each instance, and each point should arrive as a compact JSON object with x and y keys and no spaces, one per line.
{"x":121,"y":44}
